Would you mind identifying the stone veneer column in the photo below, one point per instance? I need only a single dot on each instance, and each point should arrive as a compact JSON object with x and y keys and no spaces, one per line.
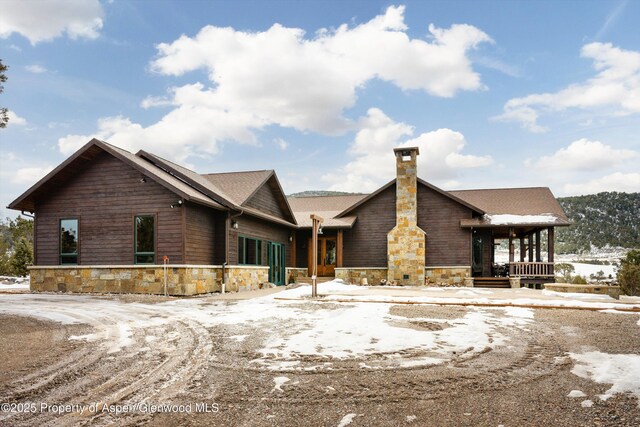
{"x":406,"y":241}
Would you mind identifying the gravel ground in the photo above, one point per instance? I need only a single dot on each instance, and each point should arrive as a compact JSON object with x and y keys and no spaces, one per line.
{"x":523,"y":383}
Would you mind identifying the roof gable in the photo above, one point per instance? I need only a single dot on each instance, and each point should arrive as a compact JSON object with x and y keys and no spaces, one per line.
{"x":83,"y":157}
{"x":269,"y":197}
{"x":327,"y":207}
{"x":420,"y":182}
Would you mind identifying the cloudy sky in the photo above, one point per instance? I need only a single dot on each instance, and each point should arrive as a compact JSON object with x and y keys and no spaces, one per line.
{"x":495,"y":94}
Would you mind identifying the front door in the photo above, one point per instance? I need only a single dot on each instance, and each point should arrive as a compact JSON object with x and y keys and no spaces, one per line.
{"x":275,"y":254}
{"x":326,"y":256}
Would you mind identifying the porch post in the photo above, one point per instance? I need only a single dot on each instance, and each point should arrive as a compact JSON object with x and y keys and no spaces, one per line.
{"x":315,"y":221}
{"x":339,"y":249}
{"x":550,"y":248}
{"x":511,"y":248}
{"x":538,"y":248}
{"x":530,"y":246}
{"x":522,"y":248}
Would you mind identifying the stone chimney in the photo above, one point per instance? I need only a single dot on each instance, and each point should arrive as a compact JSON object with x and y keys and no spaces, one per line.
{"x":406,"y":241}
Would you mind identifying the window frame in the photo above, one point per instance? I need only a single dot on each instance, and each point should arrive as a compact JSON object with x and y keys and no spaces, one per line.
{"x":136,"y":254}
{"x":258,"y":248}
{"x":76,"y":254}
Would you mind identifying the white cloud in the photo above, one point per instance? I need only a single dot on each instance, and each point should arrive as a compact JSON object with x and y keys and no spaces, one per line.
{"x":35,"y":69}
{"x":615,"y":89}
{"x":583,"y":155}
{"x":618,"y":181}
{"x":172,"y":137}
{"x":30,"y":175}
{"x":281,"y":143}
{"x":15,"y":120}
{"x":440,"y":156}
{"x":282,"y":77}
{"x":45,"y":20}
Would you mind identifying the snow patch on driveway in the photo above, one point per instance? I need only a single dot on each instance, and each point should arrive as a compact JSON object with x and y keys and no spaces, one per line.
{"x":622,"y":371}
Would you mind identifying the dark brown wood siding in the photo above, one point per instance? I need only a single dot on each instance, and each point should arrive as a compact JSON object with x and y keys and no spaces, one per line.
{"x":439,"y":216}
{"x":365,"y":245}
{"x":302,"y":248}
{"x":249,"y":226}
{"x":266,"y":201}
{"x":105,"y":196}
{"x":202,"y":234}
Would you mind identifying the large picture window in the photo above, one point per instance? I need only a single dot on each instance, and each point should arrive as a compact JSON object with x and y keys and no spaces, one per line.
{"x":249,"y":251}
{"x":69,"y":241}
{"x":145,"y":239}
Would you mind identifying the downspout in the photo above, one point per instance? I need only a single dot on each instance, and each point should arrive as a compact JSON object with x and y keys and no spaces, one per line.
{"x":224,"y":282}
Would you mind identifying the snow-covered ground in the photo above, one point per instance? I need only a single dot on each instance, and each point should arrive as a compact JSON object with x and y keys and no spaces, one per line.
{"x":298,"y":334}
{"x":13,"y":283}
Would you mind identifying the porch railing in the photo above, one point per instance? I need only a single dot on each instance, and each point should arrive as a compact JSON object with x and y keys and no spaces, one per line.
{"x":531,"y":269}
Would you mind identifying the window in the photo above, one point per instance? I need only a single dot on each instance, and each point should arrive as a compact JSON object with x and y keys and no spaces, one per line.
{"x":69,"y":241}
{"x":249,"y":251}
{"x":144,"y":238}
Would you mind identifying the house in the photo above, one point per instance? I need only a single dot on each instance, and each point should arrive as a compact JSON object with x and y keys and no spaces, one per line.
{"x":107,"y":220}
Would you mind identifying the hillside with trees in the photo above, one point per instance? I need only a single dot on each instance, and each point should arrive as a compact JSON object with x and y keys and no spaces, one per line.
{"x":599,"y":220}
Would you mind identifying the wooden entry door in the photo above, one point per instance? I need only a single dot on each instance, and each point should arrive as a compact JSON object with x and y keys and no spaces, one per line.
{"x":326,"y":257}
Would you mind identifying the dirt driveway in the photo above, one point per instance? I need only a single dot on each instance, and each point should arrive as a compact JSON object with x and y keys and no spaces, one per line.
{"x":86,"y":360}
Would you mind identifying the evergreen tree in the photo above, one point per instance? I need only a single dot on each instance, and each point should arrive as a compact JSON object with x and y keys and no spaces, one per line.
{"x":629,"y":273}
{"x":22,"y":257}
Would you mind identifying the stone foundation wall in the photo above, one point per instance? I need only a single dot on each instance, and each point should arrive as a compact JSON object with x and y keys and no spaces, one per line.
{"x":444,"y":275}
{"x":148,"y":279}
{"x":295,"y":273}
{"x":374,"y":275}
{"x":612,"y":291}
{"x":246,"y":277}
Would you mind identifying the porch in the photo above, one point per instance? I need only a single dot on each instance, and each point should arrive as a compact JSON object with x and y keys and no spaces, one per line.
{"x":525,"y":259}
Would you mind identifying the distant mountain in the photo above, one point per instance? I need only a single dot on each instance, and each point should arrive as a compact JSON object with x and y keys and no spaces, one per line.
{"x":599,"y":220}
{"x":317,"y":193}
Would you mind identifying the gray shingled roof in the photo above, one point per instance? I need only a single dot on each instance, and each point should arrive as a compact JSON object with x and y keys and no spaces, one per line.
{"x":527,"y":203}
{"x":238,"y":186}
{"x":327,"y":207}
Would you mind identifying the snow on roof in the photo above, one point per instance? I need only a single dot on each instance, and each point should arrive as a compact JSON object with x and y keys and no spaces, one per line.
{"x":507,"y":219}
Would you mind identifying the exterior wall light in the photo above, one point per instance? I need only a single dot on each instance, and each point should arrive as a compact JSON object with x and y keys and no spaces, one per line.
{"x":177,"y":204}
{"x":234,"y":225}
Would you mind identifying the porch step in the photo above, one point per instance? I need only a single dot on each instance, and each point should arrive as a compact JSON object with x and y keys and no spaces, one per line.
{"x":307,"y":280}
{"x":491,"y":282}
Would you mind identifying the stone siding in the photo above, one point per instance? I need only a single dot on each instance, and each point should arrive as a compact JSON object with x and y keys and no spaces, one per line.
{"x":447,"y":276}
{"x":295,"y":273}
{"x":354,"y":276}
{"x":246,"y":277}
{"x":406,"y":241}
{"x":612,"y":291}
{"x":148,"y":279}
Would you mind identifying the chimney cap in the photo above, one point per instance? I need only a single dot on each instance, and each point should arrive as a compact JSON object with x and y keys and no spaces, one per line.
{"x":406,"y":151}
